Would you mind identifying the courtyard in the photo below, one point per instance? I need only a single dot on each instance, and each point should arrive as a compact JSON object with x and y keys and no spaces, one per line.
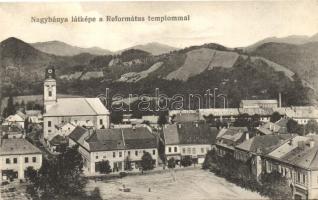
{"x":191,"y":184}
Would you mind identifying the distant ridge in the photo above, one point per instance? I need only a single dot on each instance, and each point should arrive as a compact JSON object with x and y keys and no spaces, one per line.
{"x":62,"y":49}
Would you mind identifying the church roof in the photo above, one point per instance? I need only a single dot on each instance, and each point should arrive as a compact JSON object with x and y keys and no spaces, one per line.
{"x":77,"y":107}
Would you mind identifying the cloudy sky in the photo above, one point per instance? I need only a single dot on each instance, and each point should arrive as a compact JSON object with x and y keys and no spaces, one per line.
{"x":232,"y":24}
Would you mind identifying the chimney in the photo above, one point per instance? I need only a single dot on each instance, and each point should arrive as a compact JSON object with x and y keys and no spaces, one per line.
{"x":179,"y":125}
{"x":196,"y":124}
{"x":247,"y":136}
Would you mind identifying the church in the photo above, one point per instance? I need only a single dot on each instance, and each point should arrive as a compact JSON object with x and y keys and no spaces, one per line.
{"x":88,"y":112}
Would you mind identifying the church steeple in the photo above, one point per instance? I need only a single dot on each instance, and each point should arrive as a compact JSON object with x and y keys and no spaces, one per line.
{"x":49,"y":92}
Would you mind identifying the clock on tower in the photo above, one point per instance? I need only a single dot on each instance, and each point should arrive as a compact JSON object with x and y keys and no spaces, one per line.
{"x":50,"y":73}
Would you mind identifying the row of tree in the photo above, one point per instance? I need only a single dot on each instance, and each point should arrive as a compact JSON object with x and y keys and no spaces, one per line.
{"x":272,"y":185}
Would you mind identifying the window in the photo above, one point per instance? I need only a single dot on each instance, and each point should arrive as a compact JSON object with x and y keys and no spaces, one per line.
{"x":34,"y":159}
{"x":26,"y":159}
{"x":8,"y":161}
{"x":202,"y":150}
{"x":120,"y":154}
{"x":298,"y":177}
{"x":183,"y":150}
{"x":49,"y":131}
{"x":169,"y":149}
{"x":193,"y":151}
{"x":175,"y":149}
{"x":96,"y":157}
{"x":49,"y":123}
{"x":15,"y":160}
{"x":101,"y":121}
{"x":50,"y":93}
{"x":189,"y":150}
{"x":153,"y":152}
{"x":304,"y":178}
{"x":128,"y":153}
{"x":75,"y":121}
{"x":136,"y":153}
{"x":114,"y":154}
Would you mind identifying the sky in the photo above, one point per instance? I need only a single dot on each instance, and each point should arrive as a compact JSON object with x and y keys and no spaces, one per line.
{"x":230,"y":23}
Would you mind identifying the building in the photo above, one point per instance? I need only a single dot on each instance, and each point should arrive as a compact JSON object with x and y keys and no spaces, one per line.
{"x":279,"y":127}
{"x":268,"y":103}
{"x":34,"y":116}
{"x":193,"y":139}
{"x":16,"y":155}
{"x":296,"y":160}
{"x":118,"y":146}
{"x":78,"y":111}
{"x":228,"y":138}
{"x":255,"y":148}
{"x":11,"y":131}
{"x":16,"y":119}
{"x":176,"y":116}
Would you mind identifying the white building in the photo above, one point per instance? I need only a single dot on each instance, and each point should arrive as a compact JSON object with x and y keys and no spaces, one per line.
{"x":193,"y":139}
{"x":16,"y":155}
{"x":115,"y":145}
{"x":78,"y":111}
{"x":16,"y":119}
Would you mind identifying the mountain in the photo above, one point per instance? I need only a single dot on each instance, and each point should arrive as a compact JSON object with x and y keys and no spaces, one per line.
{"x":62,"y":49}
{"x":292,"y":39}
{"x":154,"y":48}
{"x":186,"y":71}
{"x":302,"y":58}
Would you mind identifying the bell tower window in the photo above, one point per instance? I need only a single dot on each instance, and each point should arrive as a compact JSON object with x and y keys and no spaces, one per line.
{"x":50,"y":93}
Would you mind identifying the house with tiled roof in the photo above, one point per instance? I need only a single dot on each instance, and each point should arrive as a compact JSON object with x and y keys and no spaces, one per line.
{"x":88,"y":112}
{"x":117,"y":145}
{"x":193,"y":139}
{"x":253,"y":149}
{"x":279,"y":127}
{"x":297,"y":160}
{"x":16,"y":155}
{"x":228,"y":138}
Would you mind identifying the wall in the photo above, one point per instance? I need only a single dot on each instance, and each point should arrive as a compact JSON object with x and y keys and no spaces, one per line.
{"x":20,"y":166}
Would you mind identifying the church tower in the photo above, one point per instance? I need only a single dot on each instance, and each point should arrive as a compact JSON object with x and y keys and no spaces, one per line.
{"x":49,"y":92}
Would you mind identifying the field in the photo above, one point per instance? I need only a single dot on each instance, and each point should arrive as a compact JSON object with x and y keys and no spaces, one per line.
{"x":190,"y":184}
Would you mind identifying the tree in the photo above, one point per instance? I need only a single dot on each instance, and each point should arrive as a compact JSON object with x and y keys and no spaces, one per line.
{"x":276,"y":186}
{"x":171,"y":163}
{"x":105,"y":167}
{"x":312,"y":126}
{"x":147,"y":163}
{"x":162,"y":120}
{"x":210,"y":159}
{"x":26,"y":124}
{"x":10,"y":107}
{"x":31,"y":174}
{"x":59,"y":176}
{"x":275,"y":117}
{"x":186,"y":161}
{"x":128,"y":165}
{"x":293,"y":127}
{"x":242,"y":120}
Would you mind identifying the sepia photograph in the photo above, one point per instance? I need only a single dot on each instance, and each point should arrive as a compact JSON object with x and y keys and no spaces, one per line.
{"x":159,"y":100}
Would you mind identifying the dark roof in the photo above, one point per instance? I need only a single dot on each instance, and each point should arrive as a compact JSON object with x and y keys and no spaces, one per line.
{"x":305,"y":157}
{"x":58,"y":140}
{"x":77,"y":133}
{"x":265,"y":143}
{"x":190,"y":133}
{"x":122,"y":138}
{"x":17,"y":147}
{"x":139,"y":138}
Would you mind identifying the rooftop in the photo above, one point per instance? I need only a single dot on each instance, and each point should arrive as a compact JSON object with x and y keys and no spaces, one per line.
{"x":17,"y":147}
{"x":77,"y":107}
